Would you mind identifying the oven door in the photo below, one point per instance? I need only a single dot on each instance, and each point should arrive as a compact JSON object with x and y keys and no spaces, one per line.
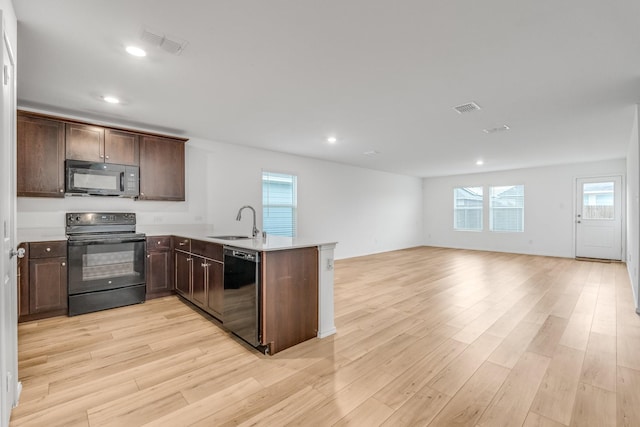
{"x":106,"y":263}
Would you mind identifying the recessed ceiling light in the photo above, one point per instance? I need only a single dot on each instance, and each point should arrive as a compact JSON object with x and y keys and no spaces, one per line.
{"x":479,"y":162}
{"x":136,"y":51}
{"x":111,"y":99}
{"x":332,"y":140}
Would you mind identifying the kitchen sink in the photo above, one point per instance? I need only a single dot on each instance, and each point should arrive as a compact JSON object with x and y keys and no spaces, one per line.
{"x":230,"y":237}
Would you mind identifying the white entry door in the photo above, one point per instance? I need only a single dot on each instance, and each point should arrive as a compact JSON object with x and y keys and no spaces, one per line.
{"x":8,"y":287}
{"x":599,"y":218}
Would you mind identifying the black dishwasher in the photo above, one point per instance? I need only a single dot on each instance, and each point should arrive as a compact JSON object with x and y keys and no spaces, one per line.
{"x":242,"y":293}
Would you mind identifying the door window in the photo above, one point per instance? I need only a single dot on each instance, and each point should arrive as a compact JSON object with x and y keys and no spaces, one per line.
{"x":598,"y":200}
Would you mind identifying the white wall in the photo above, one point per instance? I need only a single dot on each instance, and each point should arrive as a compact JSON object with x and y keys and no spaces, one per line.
{"x":365,"y":211}
{"x":633,"y":208}
{"x":549,"y":208}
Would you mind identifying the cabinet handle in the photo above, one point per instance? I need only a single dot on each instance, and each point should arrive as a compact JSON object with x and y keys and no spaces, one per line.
{"x":189,"y":259}
{"x":148,"y":256}
{"x":48,"y":249}
{"x":101,"y":156}
{"x":106,"y":157}
{"x":203,"y":265}
{"x":64,"y":263}
{"x":159,"y":243}
{"x":62,"y":190}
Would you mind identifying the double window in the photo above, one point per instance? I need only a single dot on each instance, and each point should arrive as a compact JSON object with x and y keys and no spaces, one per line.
{"x":279,"y":203}
{"x":506,"y":208}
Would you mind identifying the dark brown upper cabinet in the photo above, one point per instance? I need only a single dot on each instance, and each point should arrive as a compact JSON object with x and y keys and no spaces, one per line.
{"x":97,"y":144}
{"x":121,"y":147}
{"x":161,"y":168}
{"x":44,"y":142}
{"x":40,"y":157}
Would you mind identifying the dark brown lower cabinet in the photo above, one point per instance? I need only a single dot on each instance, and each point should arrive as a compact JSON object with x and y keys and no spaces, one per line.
{"x":159,"y":267}
{"x":215,"y":288}
{"x":42,"y":280}
{"x":182,"y":265}
{"x":199,"y":293}
{"x":199,"y":275}
{"x":289,"y":297}
{"x":47,"y":285}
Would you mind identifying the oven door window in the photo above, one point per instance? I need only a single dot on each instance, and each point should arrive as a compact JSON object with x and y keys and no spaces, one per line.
{"x":95,"y":266}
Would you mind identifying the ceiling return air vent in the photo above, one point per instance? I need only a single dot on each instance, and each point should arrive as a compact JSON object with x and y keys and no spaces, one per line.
{"x":172,"y":46}
{"x":469,"y":107}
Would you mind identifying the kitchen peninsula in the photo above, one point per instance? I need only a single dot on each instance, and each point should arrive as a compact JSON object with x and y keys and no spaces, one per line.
{"x":295,"y":278}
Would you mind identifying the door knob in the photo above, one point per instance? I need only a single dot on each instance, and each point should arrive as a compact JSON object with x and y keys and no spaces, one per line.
{"x":19,"y":253}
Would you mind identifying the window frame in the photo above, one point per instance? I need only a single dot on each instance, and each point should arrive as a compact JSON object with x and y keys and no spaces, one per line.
{"x":494,"y":209}
{"x":293,"y":206}
{"x":479,"y":208}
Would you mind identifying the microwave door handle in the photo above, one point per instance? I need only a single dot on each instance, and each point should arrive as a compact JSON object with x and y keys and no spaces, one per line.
{"x":121,"y":181}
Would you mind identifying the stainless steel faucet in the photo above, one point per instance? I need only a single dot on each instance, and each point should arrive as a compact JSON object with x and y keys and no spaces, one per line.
{"x":255,"y":230}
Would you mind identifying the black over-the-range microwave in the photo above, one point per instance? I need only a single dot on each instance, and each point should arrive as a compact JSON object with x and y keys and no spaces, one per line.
{"x":101,"y":179}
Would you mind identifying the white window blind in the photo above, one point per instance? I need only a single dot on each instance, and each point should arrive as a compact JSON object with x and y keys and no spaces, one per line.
{"x":506,"y":205}
{"x":467,"y":208}
{"x":279,"y":203}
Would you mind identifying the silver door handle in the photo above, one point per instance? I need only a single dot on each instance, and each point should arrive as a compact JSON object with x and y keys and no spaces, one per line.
{"x":19,"y":253}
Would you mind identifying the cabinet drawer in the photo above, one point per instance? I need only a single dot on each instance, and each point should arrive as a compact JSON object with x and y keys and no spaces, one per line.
{"x":181,"y":243}
{"x":207,"y":249}
{"x":158,"y":243}
{"x":48,"y":249}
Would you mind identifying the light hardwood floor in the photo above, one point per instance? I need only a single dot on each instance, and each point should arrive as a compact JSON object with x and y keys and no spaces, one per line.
{"x":426,"y":336}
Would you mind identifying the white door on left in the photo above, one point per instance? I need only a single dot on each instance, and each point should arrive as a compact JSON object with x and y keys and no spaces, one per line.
{"x":8,"y":286}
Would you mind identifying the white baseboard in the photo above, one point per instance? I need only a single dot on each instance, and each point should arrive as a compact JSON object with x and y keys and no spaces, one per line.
{"x":329,"y":332}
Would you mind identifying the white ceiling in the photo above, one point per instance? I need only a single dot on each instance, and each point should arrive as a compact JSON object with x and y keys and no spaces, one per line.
{"x":380,"y":75}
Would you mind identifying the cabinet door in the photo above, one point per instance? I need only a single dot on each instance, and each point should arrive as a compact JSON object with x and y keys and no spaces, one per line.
{"x":290,"y":297}
{"x":199,"y":295}
{"x":40,"y":153}
{"x":121,"y":147}
{"x":215,"y":291}
{"x":85,"y":142}
{"x":47,"y":284}
{"x":158,"y":273}
{"x":183,"y":273}
{"x":161,"y":168}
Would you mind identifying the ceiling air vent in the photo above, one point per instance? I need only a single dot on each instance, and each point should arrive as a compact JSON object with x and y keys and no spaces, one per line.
{"x":469,"y":107}
{"x":174,"y":47}
{"x":497,"y":129}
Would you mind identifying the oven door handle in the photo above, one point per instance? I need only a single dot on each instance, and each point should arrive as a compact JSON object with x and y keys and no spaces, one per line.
{"x":104,"y":241}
